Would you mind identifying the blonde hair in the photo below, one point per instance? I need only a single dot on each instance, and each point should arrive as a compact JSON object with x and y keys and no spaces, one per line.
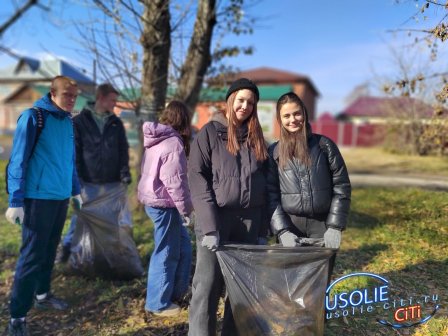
{"x":59,"y":82}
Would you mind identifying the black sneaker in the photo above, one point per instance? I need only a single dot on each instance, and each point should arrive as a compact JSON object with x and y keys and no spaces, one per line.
{"x":17,"y":328}
{"x":50,"y":302}
{"x":63,"y":255}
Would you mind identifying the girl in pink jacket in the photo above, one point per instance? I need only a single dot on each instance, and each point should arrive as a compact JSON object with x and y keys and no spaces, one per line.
{"x":163,"y":189}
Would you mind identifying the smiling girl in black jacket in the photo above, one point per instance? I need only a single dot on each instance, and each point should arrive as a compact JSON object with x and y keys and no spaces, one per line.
{"x":308,"y":185}
{"x":228,"y":190}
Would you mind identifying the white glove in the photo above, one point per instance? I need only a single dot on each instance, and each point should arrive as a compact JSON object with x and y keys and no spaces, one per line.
{"x":15,"y":215}
{"x":288,"y":239}
{"x":211,"y":241}
{"x":77,"y":202}
{"x":186,"y":221}
{"x":332,"y":238}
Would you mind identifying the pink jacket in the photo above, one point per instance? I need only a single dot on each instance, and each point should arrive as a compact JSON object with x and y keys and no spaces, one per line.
{"x":163,"y":182}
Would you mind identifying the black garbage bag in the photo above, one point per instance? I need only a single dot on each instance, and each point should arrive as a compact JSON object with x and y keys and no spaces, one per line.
{"x":102,"y":244}
{"x":275,"y":290}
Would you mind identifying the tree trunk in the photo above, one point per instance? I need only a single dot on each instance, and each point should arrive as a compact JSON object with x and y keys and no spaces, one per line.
{"x":198,"y":56}
{"x":156,"y":43}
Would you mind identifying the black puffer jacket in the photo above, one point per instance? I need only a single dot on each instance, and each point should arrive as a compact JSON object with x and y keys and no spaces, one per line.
{"x":322,"y":192}
{"x":101,"y":157}
{"x":219,"y":179}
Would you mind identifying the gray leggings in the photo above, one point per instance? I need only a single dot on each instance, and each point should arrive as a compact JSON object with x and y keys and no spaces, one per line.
{"x":236,"y":226}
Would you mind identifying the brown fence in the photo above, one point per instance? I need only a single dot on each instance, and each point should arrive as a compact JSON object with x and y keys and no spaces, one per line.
{"x":349,"y":134}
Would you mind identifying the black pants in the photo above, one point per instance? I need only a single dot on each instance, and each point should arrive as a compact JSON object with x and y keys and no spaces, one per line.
{"x":237,"y":226}
{"x":312,"y":228}
{"x":41,"y":233}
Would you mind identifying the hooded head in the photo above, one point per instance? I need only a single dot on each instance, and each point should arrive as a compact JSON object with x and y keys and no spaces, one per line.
{"x":154,"y":132}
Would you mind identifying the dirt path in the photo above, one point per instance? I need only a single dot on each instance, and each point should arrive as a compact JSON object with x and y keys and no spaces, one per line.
{"x":425,"y":182}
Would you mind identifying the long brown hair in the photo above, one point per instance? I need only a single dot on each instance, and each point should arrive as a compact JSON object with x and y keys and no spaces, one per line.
{"x":177,"y":116}
{"x":293,"y":145}
{"x":255,"y":138}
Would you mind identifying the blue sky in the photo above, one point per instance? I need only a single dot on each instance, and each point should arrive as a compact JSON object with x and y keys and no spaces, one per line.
{"x":338,"y":44}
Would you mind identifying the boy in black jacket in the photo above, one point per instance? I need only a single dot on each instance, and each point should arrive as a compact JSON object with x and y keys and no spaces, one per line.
{"x":102,"y":150}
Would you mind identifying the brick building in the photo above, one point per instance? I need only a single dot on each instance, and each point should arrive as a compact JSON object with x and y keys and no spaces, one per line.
{"x":272,"y":83}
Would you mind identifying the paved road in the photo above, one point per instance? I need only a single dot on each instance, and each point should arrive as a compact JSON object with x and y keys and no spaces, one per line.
{"x":426,"y":182}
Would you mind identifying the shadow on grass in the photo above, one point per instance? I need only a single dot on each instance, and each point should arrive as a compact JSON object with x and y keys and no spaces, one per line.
{"x":423,"y":278}
{"x":425,"y":281}
{"x":362,"y":221}
{"x":46,"y":326}
{"x":180,"y":330}
{"x":357,"y":259}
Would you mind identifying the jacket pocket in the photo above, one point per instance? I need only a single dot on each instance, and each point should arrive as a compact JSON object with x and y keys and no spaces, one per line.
{"x":227,"y":192}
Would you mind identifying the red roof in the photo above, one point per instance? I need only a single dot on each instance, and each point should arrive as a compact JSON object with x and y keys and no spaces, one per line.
{"x":269,"y":76}
{"x":383,"y":107}
{"x":265,"y":75}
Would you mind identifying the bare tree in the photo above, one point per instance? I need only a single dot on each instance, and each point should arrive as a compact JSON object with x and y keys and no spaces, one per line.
{"x":416,"y":123}
{"x":199,"y":54}
{"x":133,"y":46}
{"x":156,"y":43}
{"x":414,"y":126}
{"x":16,"y":16}
{"x":431,"y":35}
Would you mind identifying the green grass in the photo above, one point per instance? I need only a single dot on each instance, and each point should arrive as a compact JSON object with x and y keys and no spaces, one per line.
{"x":401,"y":234}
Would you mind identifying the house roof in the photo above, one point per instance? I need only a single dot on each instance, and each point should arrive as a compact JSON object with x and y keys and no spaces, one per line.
{"x":216,"y":94}
{"x":29,"y":69}
{"x":267,"y":92}
{"x":42,"y":90}
{"x":267,"y":75}
{"x":368,"y":106}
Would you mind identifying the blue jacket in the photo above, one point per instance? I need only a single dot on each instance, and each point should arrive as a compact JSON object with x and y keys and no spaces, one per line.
{"x":48,"y":172}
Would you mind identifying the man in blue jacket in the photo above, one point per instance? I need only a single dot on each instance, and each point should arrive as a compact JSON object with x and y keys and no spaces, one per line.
{"x":41,"y":179}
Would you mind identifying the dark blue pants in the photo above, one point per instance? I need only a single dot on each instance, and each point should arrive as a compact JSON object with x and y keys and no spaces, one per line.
{"x":41,"y":233}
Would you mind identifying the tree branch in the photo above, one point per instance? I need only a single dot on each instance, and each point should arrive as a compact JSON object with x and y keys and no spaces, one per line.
{"x":17,"y":15}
